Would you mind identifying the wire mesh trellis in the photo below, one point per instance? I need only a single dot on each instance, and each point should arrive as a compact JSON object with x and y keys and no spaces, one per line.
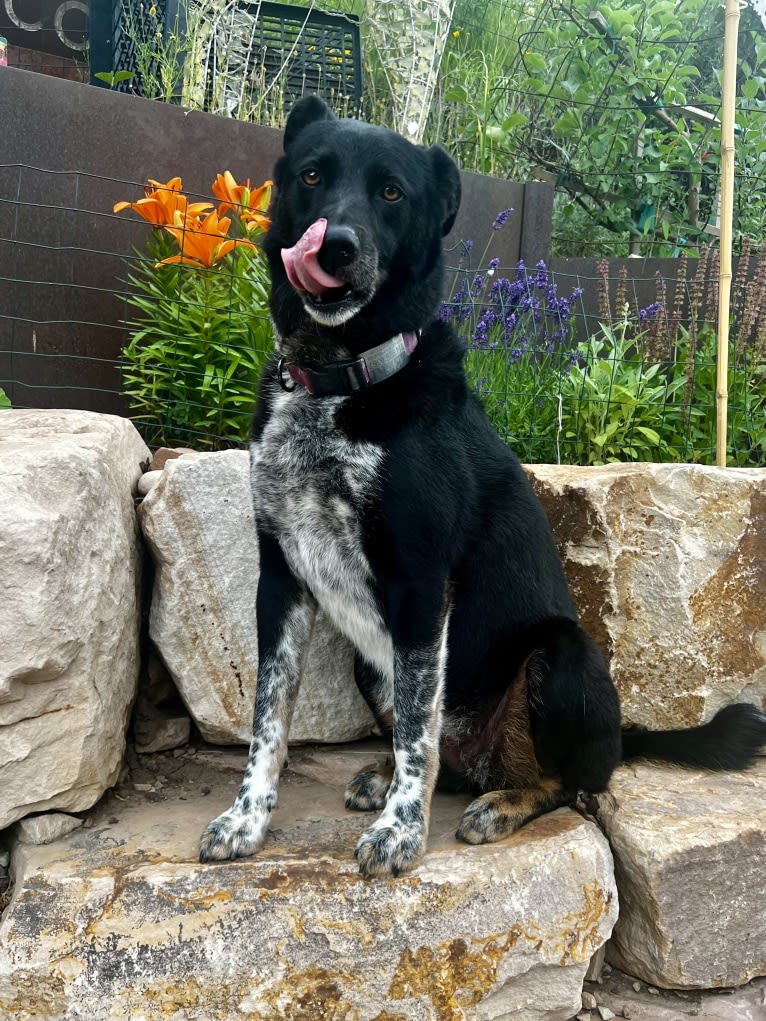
{"x":594,"y":364}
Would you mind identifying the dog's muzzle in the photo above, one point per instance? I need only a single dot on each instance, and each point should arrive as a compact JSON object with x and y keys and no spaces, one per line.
{"x":331,"y":270}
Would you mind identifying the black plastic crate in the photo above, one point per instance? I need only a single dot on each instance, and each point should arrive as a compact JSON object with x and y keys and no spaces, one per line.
{"x":290,"y":51}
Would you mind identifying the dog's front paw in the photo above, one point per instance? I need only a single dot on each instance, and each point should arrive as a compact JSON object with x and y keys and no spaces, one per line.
{"x":388,"y":849}
{"x":233,"y":835}
{"x":367,"y":790}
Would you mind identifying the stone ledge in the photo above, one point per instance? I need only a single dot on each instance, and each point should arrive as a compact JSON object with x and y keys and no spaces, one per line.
{"x":690,"y":860}
{"x":120,"y":920}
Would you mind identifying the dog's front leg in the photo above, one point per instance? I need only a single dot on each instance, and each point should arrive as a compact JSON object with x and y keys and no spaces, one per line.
{"x":397,"y":839}
{"x":285,"y":613}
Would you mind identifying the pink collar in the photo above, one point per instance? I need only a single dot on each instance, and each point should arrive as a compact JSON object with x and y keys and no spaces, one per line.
{"x":352,"y":374}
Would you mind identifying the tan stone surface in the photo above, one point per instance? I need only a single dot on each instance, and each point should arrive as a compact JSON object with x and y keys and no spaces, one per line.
{"x":121,"y":921}
{"x":629,"y":998}
{"x":44,"y":829}
{"x":690,"y":861}
{"x":69,"y":621}
{"x":667,"y":565}
{"x":198,"y":523}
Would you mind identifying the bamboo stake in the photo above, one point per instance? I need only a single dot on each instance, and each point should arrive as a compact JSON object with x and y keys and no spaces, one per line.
{"x":728,"y":110}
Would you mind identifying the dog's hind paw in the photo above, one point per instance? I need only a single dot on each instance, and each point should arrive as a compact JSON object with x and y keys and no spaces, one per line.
{"x":489,"y":818}
{"x":500,"y":813}
{"x":366,"y":792}
{"x":232,"y":835}
{"x":387,"y":850}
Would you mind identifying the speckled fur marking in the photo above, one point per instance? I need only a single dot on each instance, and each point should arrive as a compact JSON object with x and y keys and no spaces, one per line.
{"x":397,"y":839}
{"x":241,"y":830}
{"x":367,"y":789}
{"x":310,"y":485}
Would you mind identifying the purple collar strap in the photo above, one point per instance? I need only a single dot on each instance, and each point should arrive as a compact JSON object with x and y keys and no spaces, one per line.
{"x":339,"y":379}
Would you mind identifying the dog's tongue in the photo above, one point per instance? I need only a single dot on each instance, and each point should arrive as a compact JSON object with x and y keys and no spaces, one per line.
{"x":302,"y":265}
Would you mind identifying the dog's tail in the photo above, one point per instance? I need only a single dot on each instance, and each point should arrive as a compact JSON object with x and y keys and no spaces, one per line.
{"x":733,"y":739}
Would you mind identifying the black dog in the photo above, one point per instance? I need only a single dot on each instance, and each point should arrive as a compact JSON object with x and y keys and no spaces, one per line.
{"x":383,"y":495}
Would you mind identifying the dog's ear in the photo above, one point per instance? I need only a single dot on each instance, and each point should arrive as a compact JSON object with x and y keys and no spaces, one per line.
{"x":305,"y":111}
{"x":447,"y":177}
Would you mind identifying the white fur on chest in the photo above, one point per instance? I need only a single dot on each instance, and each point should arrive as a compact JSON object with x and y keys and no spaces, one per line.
{"x":310,"y":486}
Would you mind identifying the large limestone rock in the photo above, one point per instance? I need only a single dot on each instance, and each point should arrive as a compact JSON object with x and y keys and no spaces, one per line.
{"x":119,"y":920}
{"x":690,"y":860}
{"x":69,"y":620}
{"x":198,"y":523}
{"x":667,"y":565}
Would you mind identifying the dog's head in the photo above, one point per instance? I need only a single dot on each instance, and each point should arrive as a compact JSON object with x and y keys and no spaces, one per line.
{"x":357,"y":226}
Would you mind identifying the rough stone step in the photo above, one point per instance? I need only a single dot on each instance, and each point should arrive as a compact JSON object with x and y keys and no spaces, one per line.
{"x":120,"y":921}
{"x":690,"y":859}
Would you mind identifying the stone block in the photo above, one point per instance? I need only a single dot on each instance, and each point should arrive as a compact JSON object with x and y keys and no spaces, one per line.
{"x":690,"y":860}
{"x":667,"y":566}
{"x":70,"y":619}
{"x":44,"y":829}
{"x":198,"y":523}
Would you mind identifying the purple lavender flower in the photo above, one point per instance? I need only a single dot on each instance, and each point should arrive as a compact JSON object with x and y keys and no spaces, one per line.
{"x":541,"y":276}
{"x":481,"y":332}
{"x":650,"y":312}
{"x":509,"y":325}
{"x":478,"y":284}
{"x":501,"y":219}
{"x":492,"y":265}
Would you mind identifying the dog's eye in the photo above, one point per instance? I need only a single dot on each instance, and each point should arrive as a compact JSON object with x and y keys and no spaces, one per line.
{"x":391,"y":193}
{"x":311,"y":177}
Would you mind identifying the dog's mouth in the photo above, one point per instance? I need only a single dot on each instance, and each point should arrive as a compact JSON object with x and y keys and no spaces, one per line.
{"x":326,"y":297}
{"x":332,"y":296}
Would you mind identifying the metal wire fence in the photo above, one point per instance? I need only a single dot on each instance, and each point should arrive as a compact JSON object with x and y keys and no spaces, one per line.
{"x":576,"y":361}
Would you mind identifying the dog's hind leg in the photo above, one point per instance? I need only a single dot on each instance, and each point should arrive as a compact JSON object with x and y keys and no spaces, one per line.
{"x":502,"y":755}
{"x":285,"y":614}
{"x":367,"y":790}
{"x":556,"y":731}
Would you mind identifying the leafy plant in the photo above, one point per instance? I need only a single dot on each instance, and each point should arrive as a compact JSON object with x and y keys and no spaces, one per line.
{"x":200,"y":332}
{"x":159,"y":50}
{"x":693,"y":375}
{"x":113,"y":78}
{"x":4,"y":399}
{"x":614,"y":408}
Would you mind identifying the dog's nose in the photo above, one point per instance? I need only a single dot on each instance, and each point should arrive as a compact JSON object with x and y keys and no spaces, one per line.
{"x":340,"y":248}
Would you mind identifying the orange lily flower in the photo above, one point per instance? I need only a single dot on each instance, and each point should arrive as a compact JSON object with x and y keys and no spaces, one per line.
{"x":203,"y":242}
{"x":249,"y":203}
{"x":230,"y":194}
{"x":164,"y":204}
{"x":254,"y":217}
